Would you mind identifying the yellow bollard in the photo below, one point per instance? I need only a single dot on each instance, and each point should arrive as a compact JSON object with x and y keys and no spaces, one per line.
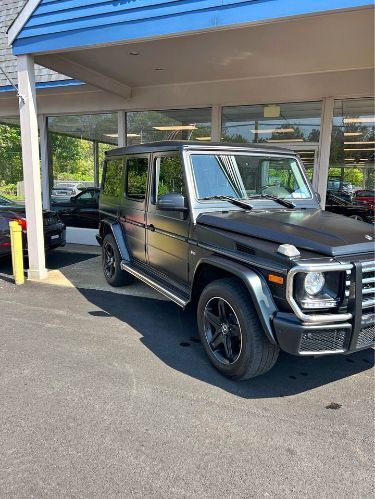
{"x":17,"y":251}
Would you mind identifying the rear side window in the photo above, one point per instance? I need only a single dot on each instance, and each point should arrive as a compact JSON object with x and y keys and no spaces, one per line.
{"x":112,"y":178}
{"x":136,"y":178}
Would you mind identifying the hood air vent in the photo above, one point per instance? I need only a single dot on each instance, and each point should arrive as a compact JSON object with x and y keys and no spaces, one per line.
{"x":245,"y":249}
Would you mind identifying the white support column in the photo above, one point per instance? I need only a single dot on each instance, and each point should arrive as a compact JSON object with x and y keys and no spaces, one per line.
{"x":31,"y":168}
{"x":122,"y":129}
{"x":216,"y":123}
{"x":44,"y":158}
{"x":321,"y":175}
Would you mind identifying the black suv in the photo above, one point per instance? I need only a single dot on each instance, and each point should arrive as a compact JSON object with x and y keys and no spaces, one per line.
{"x":237,"y":231}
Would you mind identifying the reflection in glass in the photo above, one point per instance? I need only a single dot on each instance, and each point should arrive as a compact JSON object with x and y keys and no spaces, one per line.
{"x":172,"y":124}
{"x":274,"y":124}
{"x":352,"y":146}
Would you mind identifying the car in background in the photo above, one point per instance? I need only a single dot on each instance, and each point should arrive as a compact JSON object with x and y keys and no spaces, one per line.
{"x":66,"y":189}
{"x":54,"y":228}
{"x":335,"y":184}
{"x":357,"y":211}
{"x":81,"y":210}
{"x":365,"y":196}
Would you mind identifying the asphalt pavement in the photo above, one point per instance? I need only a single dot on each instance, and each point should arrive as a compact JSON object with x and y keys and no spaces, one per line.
{"x":109,"y":394}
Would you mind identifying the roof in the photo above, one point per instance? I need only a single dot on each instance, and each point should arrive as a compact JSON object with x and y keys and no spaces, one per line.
{"x":9,"y":10}
{"x":54,"y":26}
{"x":178,"y":145}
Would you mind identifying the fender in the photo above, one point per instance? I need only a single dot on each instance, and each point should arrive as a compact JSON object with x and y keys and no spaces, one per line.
{"x":257,"y":287}
{"x":117,"y":233}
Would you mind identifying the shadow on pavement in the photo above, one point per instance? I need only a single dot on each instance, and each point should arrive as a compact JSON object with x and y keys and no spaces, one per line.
{"x":56,"y":260}
{"x":171,"y":334}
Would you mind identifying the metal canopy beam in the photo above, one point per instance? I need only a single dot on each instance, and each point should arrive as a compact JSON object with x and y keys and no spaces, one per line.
{"x":64,"y":65}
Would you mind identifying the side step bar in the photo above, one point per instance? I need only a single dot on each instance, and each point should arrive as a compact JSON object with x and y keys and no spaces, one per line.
{"x":172,"y":295}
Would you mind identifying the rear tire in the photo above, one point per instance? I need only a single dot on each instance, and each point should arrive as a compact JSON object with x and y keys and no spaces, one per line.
{"x":111,"y":264}
{"x":231,"y":332}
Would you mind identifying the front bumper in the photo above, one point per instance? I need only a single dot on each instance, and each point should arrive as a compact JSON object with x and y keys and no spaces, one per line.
{"x":348,"y":331}
{"x":298,"y":338}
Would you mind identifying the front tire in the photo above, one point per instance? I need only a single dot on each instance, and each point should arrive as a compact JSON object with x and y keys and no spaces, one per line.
{"x":111,"y":263}
{"x":231,"y":332}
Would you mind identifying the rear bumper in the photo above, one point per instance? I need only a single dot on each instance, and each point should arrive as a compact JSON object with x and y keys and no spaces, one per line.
{"x":54,"y":236}
{"x":298,"y":338}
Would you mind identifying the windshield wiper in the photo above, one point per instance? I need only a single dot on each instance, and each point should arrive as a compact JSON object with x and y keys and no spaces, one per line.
{"x":235,"y":201}
{"x":281,"y":201}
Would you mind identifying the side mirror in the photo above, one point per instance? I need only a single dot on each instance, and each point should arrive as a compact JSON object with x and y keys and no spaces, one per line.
{"x":73,"y":199}
{"x":318,"y":197}
{"x":172,"y":202}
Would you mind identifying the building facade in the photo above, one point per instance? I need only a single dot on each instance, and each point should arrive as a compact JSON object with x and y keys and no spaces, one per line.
{"x":299,"y":74}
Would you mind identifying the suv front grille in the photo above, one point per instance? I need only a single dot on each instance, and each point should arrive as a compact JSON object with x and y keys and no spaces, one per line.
{"x":366,"y":337}
{"x":368,"y":284}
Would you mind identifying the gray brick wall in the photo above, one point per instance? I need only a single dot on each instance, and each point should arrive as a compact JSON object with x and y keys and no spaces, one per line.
{"x":9,"y":10}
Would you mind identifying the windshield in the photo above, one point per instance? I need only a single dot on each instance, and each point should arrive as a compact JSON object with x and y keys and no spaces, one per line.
{"x":245,"y":176}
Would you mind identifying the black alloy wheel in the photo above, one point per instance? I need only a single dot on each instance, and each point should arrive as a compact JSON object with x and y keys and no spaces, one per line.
{"x":111,"y":262}
{"x":108,"y":260}
{"x":231,"y":332}
{"x":222,"y":330}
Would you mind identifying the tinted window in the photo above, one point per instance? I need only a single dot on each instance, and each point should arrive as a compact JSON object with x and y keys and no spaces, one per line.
{"x":87,"y":197}
{"x":136,"y":178}
{"x":171,"y":177}
{"x":112,"y":178}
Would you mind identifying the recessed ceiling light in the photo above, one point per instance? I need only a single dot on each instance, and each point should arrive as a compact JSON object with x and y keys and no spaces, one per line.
{"x":173,"y":128}
{"x":159,"y":69}
{"x":274,"y":130}
{"x":284,"y":140}
{"x":359,"y":149}
{"x":361,"y":142}
{"x":133,"y":135}
{"x":367,"y":119}
{"x":134,"y":53}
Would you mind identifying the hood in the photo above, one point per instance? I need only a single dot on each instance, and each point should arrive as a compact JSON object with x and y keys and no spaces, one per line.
{"x":315,"y":230}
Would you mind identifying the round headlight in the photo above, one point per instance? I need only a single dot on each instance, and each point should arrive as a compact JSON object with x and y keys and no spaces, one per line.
{"x":314,"y":283}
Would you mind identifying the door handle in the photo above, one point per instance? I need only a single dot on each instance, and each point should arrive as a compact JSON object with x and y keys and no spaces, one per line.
{"x":151,"y":227}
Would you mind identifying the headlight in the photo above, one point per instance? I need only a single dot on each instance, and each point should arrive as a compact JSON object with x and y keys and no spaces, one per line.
{"x":314,"y":283}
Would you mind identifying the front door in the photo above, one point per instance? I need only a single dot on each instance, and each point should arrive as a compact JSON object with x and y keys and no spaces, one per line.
{"x":168,"y":231}
{"x":133,"y":206}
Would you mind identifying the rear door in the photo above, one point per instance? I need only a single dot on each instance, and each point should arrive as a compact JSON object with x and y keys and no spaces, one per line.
{"x":133,"y":205}
{"x":168,"y":231}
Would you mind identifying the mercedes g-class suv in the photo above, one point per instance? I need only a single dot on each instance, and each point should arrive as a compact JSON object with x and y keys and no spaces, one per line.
{"x":238,"y":232}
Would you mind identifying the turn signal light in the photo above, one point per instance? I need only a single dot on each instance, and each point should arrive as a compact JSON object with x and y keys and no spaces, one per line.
{"x":276,"y":279}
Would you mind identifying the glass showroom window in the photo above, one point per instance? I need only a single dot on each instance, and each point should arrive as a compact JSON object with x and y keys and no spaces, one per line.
{"x":77,"y":144}
{"x":177,"y":124}
{"x":293,"y":125}
{"x":11,"y":172}
{"x":352,"y":146}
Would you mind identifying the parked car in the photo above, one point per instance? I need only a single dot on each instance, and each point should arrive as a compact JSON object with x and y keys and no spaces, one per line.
{"x":54,"y":229}
{"x":365,"y":196}
{"x":358,"y":211}
{"x":65,"y":190}
{"x":81,"y":210}
{"x":237,"y":231}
